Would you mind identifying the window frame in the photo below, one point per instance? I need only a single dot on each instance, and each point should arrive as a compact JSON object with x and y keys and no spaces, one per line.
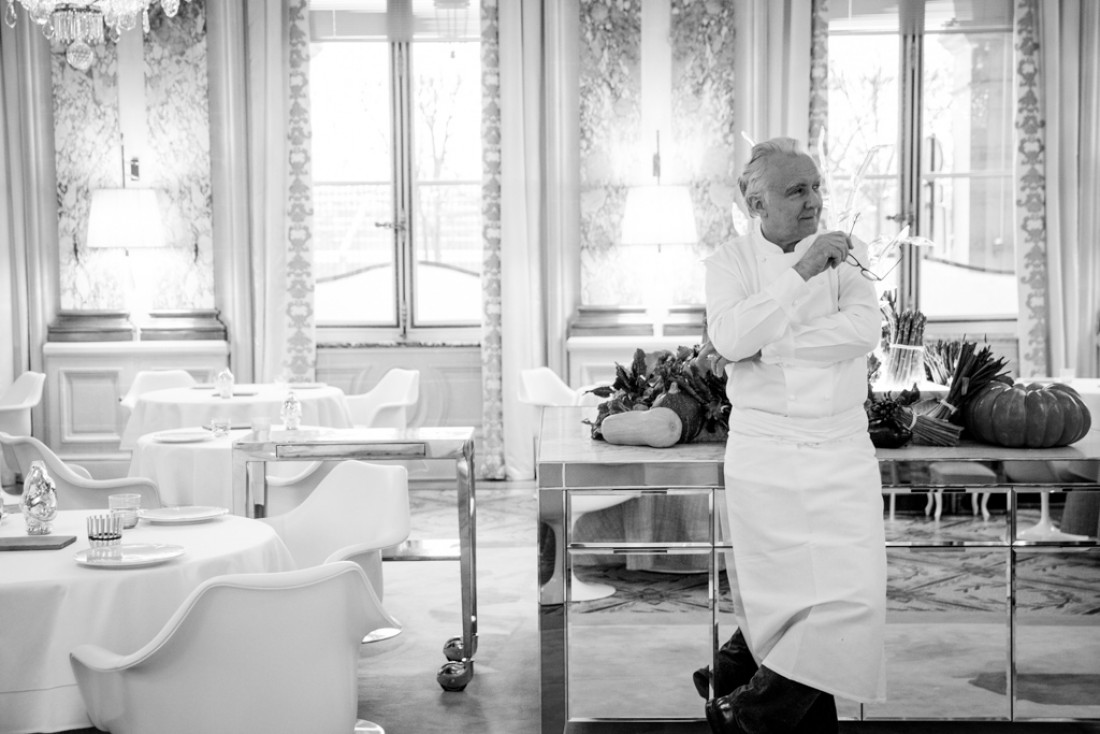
{"x":403,"y":330}
{"x":911,"y":183}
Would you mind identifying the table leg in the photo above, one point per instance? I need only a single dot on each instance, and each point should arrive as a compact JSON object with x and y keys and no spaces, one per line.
{"x":1044,"y":530}
{"x":249,"y":487}
{"x":454,"y":675}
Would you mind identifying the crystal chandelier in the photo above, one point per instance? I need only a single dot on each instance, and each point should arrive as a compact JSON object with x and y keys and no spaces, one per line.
{"x":84,"y":23}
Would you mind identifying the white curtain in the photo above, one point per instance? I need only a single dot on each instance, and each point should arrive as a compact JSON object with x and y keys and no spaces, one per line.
{"x":263,"y":191}
{"x":772,"y":93}
{"x":1069,"y":75}
{"x":522,"y":197}
{"x":280,"y":188}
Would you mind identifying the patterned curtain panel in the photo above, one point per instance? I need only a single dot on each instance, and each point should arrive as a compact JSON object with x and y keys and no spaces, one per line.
{"x":819,"y":73}
{"x":300,"y":345}
{"x":1032,"y":328}
{"x":490,"y":451}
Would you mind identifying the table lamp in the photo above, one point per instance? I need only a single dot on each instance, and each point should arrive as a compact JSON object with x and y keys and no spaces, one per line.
{"x":657,"y":215}
{"x":128,"y":219}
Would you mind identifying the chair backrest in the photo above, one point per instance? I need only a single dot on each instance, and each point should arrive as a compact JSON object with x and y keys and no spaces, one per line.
{"x":386,"y":405}
{"x":149,"y":380}
{"x":264,"y":652}
{"x":75,"y":491}
{"x":541,"y":386}
{"x":18,"y":400}
{"x":356,"y":504}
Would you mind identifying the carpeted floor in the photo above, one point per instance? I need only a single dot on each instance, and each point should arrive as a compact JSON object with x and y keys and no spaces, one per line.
{"x":633,"y":652}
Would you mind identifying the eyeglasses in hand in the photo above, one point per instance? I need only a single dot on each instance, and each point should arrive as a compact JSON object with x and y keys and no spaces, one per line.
{"x":851,"y":260}
{"x":864,"y":271}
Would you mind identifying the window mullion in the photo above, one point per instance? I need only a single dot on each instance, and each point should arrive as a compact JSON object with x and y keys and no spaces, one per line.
{"x":909,"y":186}
{"x":402,"y":179}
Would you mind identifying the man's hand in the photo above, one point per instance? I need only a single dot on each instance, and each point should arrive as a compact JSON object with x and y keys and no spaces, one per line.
{"x":828,"y":250}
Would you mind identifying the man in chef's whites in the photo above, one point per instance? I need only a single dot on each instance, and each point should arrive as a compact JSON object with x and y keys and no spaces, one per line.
{"x":796,"y":319}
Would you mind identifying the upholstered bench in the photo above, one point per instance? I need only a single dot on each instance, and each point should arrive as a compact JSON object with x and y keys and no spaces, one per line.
{"x":959,"y":473}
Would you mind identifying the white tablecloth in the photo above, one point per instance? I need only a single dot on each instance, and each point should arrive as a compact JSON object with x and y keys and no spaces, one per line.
{"x":196,"y":473}
{"x":49,"y":604}
{"x":191,"y":407}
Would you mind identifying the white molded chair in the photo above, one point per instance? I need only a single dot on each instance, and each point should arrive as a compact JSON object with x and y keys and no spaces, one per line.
{"x":16,"y":405}
{"x":387,"y":404}
{"x":149,"y":380}
{"x":355,"y":511}
{"x":543,"y":388}
{"x":258,"y":652}
{"x":76,"y":490}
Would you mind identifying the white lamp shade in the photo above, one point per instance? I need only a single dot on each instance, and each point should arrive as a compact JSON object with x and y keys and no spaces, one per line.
{"x":128,"y":218}
{"x":659,"y":215}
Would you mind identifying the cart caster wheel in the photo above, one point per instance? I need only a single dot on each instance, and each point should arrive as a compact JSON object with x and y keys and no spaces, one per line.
{"x":453,"y":649}
{"x":453,"y":676}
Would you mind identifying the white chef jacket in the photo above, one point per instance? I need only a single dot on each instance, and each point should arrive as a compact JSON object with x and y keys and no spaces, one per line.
{"x":813,"y":336}
{"x":803,"y":493}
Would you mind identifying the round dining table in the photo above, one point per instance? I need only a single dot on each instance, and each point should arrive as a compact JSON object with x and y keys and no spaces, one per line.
{"x":196,"y":406}
{"x":195,"y":467}
{"x":50,"y":603}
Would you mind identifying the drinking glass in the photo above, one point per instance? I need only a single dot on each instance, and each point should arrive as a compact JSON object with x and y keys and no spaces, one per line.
{"x":104,"y":530}
{"x":126,"y":506}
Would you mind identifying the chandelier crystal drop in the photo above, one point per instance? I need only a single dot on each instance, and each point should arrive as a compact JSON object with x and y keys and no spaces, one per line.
{"x":87,"y":22}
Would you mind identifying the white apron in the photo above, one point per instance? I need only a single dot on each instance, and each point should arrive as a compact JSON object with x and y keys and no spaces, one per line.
{"x":808,"y":570}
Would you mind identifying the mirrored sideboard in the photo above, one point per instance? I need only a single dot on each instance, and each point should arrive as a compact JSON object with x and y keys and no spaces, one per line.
{"x":993,"y":586}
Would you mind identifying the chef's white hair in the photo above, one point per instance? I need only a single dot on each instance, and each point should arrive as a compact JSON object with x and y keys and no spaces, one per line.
{"x":751,"y":181}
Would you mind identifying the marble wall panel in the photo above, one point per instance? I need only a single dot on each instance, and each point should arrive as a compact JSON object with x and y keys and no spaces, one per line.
{"x":614,"y":148}
{"x":175,"y":162}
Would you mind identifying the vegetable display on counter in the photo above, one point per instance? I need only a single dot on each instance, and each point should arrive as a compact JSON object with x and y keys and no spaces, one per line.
{"x":1032,"y":416}
{"x":690,"y":382}
{"x":906,"y":415}
{"x":973,"y":371}
{"x":656,"y":427}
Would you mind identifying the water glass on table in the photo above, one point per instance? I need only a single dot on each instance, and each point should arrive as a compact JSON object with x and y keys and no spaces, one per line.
{"x":104,"y":530}
{"x":125,"y":506}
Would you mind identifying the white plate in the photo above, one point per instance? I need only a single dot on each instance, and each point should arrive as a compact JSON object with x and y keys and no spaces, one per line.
{"x":128,"y":555}
{"x":182,"y":514}
{"x":184,"y":435}
{"x":306,"y":385}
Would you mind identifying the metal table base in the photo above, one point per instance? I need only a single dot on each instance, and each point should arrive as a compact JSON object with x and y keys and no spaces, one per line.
{"x":252,"y":452}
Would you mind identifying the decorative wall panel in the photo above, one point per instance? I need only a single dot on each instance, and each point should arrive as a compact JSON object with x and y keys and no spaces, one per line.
{"x":175,"y":162}
{"x":615,"y":151}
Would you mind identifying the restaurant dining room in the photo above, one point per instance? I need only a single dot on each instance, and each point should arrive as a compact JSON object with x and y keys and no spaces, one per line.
{"x":550,"y":366}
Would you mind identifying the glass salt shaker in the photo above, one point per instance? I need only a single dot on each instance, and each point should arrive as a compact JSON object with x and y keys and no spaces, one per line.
{"x":291,"y":412}
{"x":224,"y":383}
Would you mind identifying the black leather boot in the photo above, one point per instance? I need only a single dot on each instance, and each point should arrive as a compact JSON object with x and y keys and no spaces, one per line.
{"x":721,"y":718}
{"x":736,"y":667}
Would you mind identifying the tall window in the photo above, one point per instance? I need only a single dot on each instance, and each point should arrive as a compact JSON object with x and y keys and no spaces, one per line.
{"x":921,"y":94}
{"x":396,"y":112}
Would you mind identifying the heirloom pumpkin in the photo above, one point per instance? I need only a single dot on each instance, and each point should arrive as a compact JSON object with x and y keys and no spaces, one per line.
{"x":1032,"y":416}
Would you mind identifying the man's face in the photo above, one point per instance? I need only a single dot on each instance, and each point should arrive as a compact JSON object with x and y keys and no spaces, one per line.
{"x":790,"y":208}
